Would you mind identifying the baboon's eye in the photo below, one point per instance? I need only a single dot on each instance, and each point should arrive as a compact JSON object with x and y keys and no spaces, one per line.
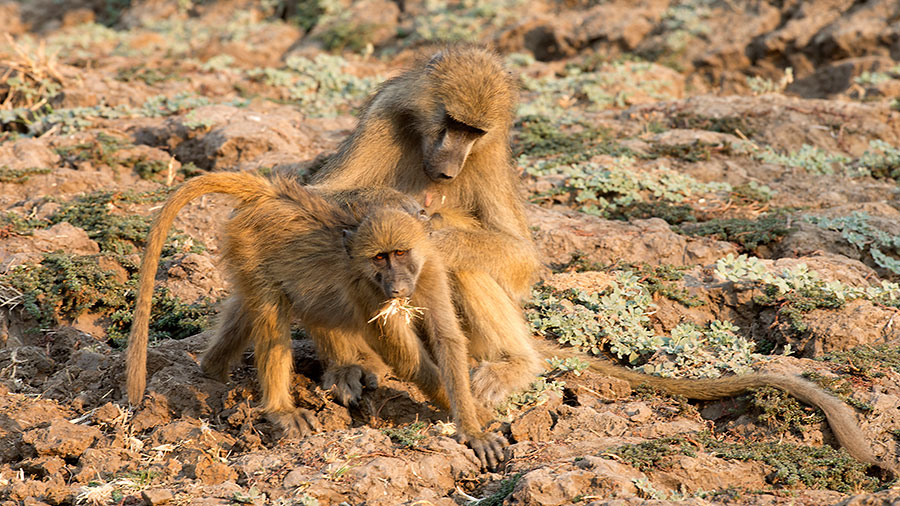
{"x":400,"y":252}
{"x":380,"y":256}
{"x":455,"y":124}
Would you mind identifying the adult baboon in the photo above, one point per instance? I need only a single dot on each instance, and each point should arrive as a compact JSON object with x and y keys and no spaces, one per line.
{"x":441,"y":131}
{"x":290,"y":252}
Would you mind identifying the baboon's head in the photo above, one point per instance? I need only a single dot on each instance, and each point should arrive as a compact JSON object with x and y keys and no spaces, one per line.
{"x":387,"y":249}
{"x":471,"y":97}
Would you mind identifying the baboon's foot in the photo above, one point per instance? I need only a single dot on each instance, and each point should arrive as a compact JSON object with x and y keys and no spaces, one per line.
{"x":347,"y":382}
{"x":296,"y":423}
{"x":488,"y":447}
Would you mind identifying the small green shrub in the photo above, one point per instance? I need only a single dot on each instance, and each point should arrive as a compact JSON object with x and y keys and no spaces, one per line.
{"x":748,"y":233}
{"x":19,"y":176}
{"x":408,"y":436}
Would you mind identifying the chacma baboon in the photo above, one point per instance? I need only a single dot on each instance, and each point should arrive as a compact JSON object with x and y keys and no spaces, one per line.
{"x":441,"y":130}
{"x":291,"y":253}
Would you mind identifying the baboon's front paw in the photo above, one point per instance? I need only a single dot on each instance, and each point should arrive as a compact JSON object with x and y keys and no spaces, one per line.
{"x":488,"y":447}
{"x":297,"y":423}
{"x":347,"y":383}
{"x":487,"y":386}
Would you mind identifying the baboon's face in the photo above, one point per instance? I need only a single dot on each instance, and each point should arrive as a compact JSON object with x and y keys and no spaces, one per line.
{"x":445,"y":151}
{"x":396,"y":272}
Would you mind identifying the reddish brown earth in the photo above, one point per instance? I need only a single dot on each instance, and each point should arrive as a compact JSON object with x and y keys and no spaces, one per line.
{"x":673,"y":86}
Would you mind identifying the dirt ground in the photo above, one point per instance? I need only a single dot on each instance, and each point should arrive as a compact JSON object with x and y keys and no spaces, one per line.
{"x":713,"y":187}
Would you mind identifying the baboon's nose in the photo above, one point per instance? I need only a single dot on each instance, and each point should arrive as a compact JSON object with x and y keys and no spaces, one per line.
{"x":399,"y":292}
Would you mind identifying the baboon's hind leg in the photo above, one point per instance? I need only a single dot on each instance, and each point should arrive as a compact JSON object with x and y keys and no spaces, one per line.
{"x":270,"y":331}
{"x":499,"y":338}
{"x":233,"y":334}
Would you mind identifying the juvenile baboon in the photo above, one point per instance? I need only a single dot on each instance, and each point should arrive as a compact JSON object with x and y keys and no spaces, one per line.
{"x":441,"y":131}
{"x":291,"y":253}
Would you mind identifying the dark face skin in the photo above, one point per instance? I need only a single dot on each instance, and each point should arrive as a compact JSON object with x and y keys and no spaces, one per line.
{"x":396,"y":273}
{"x":445,"y":154}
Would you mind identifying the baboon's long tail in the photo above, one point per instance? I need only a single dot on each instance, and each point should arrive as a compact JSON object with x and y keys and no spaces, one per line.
{"x":246,"y":187}
{"x":840,"y":416}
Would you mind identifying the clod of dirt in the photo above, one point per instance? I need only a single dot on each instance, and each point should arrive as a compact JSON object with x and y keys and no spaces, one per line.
{"x":63,"y":439}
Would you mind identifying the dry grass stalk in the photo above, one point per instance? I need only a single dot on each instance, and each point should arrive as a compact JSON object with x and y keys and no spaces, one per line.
{"x":39,"y":69}
{"x":396,"y":306}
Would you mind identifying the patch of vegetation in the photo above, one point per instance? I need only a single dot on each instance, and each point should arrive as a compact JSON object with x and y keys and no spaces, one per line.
{"x":141,"y":72}
{"x":840,"y":388}
{"x":816,"y":467}
{"x":606,"y":190}
{"x":14,"y":224}
{"x":660,"y":280}
{"x":696,"y":151}
{"x":799,"y":300}
{"x":859,"y":232}
{"x":748,"y":233}
{"x":734,"y":125}
{"x":744,"y":269}
{"x":782,"y":412}
{"x":617,"y":320}
{"x":812,"y":159}
{"x":867,"y":361}
{"x":19,"y":176}
{"x":320,"y":85}
{"x":113,"y":232}
{"x":591,"y":86}
{"x":650,"y":455}
{"x":752,"y":191}
{"x":506,"y":487}
{"x":672,"y":213}
{"x":64,"y":286}
{"x":761,"y":85}
{"x":101,"y":149}
{"x":148,"y":169}
{"x":880,"y":160}
{"x":408,"y":436}
{"x":460,"y":21}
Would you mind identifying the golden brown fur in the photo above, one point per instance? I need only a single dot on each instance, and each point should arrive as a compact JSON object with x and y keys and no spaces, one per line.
{"x":292,"y":253}
{"x":482,"y":234}
{"x":441,"y":129}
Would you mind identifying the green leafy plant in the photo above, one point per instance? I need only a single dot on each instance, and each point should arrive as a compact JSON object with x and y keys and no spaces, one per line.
{"x":748,"y":233}
{"x":858,"y":231}
{"x":407,"y":436}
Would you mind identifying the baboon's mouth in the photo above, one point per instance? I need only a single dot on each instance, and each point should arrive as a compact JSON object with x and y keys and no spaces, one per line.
{"x":397,"y":306}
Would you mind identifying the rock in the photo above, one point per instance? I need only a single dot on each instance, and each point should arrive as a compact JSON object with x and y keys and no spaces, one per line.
{"x":560,"y":235}
{"x":62,"y":438}
{"x":156,"y":496}
{"x":589,"y":476}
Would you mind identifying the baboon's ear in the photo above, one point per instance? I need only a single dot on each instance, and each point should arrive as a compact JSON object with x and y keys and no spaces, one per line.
{"x":347,"y":239}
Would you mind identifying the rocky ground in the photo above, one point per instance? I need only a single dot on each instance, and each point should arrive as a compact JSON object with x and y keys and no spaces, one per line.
{"x":713,"y":185}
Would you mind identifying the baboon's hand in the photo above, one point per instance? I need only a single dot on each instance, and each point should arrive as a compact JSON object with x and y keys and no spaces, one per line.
{"x":347,"y":382}
{"x":488,"y":447}
{"x":296,"y":423}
